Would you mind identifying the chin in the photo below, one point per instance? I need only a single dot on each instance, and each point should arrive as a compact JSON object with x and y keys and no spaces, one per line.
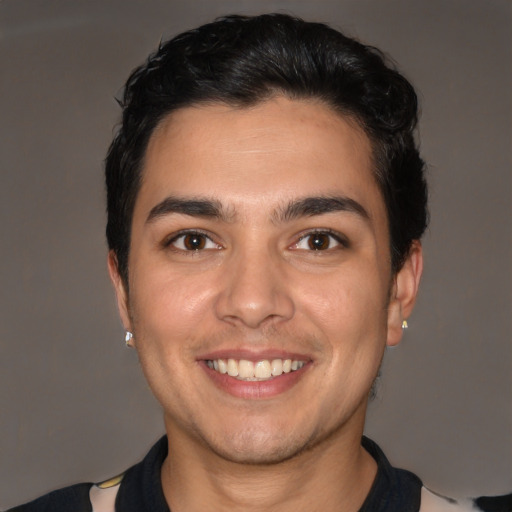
{"x":262,"y":456}
{"x":254,"y":447}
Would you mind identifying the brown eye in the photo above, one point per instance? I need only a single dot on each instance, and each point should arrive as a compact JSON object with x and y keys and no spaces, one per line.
{"x":319,"y":241}
{"x":194,"y":242}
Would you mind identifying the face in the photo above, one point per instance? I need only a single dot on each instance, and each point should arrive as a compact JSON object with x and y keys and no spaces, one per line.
{"x":260,"y":291}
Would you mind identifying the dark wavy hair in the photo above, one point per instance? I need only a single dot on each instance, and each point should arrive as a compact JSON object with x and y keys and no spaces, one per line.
{"x":241,"y":61}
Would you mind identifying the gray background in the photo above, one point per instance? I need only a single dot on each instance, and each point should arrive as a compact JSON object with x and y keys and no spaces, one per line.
{"x":73,"y":405}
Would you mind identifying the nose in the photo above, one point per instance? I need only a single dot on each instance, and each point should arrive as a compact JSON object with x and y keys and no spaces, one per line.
{"x":255,"y":291}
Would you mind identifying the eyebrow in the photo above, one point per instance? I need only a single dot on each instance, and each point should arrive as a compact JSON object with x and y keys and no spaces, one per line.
{"x":211,"y":208}
{"x":310,"y":206}
{"x":194,"y":207}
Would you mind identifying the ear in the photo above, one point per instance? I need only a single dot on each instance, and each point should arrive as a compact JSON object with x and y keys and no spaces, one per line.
{"x":404,"y":292}
{"x":120,"y":289}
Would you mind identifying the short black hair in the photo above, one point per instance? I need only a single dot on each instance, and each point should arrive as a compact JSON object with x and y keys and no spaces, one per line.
{"x":242,"y":61}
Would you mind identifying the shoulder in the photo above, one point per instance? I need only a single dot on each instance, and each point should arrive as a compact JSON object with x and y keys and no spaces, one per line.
{"x":77,"y":498}
{"x":132,"y":489}
{"x":74,"y":498}
{"x":400,"y":490}
{"x":433,"y":502}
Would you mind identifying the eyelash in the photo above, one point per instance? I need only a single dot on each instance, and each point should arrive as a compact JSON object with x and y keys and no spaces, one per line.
{"x":171,"y":241}
{"x":333,"y":235}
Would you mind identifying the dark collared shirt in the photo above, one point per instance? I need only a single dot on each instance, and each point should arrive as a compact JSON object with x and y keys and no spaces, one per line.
{"x":140,"y":490}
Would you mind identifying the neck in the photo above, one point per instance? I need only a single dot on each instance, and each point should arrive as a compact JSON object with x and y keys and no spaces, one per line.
{"x":336,"y":474}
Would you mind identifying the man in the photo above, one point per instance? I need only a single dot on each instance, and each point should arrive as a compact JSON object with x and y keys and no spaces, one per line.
{"x":266,"y":201}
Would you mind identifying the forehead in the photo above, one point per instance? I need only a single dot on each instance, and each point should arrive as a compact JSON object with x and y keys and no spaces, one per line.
{"x":267,"y":154}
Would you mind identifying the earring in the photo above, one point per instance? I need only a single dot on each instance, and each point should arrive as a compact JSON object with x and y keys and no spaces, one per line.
{"x":405,"y":325}
{"x":128,"y":338}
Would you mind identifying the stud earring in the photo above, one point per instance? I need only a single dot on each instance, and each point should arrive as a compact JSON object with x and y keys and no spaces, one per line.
{"x":128,"y":338}
{"x":405,"y":325}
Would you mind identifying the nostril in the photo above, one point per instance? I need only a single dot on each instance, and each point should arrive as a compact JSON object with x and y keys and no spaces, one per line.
{"x":255,"y":311}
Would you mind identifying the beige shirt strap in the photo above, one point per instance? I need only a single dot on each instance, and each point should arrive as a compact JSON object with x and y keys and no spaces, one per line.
{"x":103,"y":496}
{"x":432,"y":502}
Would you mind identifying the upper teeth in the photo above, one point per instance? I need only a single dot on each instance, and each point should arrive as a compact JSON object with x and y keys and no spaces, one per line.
{"x":261,"y":370}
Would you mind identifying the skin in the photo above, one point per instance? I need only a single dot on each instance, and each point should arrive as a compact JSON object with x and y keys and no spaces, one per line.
{"x":258,"y":287}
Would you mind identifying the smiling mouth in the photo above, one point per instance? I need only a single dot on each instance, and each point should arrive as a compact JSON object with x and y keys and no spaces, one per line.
{"x":265,"y":369}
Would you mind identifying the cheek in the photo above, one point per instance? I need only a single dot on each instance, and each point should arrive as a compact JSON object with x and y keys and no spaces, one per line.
{"x":351,"y":300}
{"x":166,"y":303}
{"x":350,"y":313}
{"x":169,"y":316}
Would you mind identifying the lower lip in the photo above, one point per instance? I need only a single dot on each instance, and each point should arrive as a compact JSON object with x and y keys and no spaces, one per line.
{"x":254,"y":390}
